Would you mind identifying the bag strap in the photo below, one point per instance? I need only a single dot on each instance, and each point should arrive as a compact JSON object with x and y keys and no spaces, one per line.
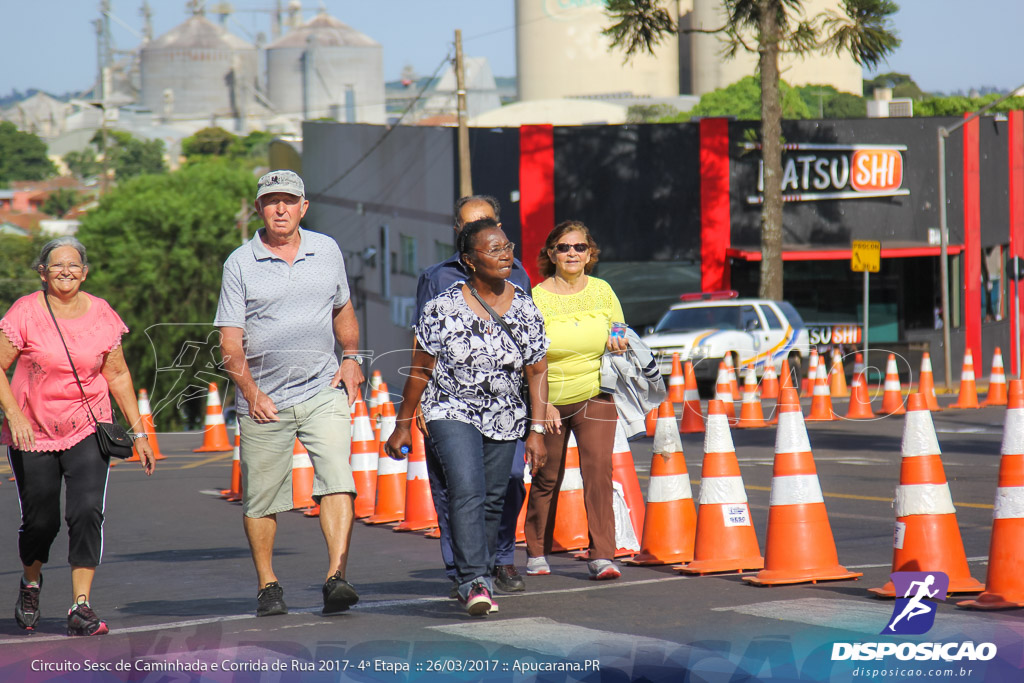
{"x":497,"y":318}
{"x":73,"y":370}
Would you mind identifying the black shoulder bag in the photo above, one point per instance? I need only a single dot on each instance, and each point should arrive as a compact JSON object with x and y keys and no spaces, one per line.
{"x":524,"y":387}
{"x":114,"y":440}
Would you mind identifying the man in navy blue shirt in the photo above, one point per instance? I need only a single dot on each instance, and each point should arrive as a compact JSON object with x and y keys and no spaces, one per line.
{"x":432,"y":281}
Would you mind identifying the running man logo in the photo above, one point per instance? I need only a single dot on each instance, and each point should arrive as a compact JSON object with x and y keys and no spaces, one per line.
{"x":914,"y":613}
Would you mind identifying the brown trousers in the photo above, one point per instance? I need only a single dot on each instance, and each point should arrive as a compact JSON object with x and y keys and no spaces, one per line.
{"x":593,"y":423}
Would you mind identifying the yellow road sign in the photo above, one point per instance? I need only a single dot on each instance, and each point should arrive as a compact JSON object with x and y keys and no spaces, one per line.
{"x":866,"y":256}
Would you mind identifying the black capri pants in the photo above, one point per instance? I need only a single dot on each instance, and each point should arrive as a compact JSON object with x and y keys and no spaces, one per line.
{"x":38,"y":476}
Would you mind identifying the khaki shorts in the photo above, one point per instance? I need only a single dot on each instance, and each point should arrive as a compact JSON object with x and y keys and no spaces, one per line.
{"x":322,"y":424}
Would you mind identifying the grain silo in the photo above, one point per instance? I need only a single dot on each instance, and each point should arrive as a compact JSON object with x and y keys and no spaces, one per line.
{"x":710,"y":71}
{"x":199,"y":70}
{"x":560,"y":52}
{"x":326,"y":68}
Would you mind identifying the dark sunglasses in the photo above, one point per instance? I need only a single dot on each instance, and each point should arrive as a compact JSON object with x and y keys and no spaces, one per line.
{"x":564,"y":248}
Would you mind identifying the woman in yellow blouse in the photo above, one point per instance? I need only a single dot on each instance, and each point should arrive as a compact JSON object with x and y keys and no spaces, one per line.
{"x":578,"y":314}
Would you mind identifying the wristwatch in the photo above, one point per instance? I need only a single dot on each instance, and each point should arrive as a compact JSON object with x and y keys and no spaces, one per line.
{"x":140,"y":435}
{"x":538,"y":428}
{"x":352,"y":356}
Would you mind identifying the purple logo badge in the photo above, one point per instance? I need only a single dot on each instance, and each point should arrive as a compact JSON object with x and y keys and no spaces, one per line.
{"x":914,"y":612}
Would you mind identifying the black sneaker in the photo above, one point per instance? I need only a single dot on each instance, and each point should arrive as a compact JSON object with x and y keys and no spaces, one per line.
{"x":507,"y":579}
{"x":26,"y":610}
{"x":82,"y":621}
{"x":270,"y":600}
{"x":339,"y":594}
{"x":453,"y":593}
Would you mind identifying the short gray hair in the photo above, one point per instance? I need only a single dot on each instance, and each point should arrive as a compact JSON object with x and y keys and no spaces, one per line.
{"x":65,"y":241}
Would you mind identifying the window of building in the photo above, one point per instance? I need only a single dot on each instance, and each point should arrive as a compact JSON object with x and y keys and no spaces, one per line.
{"x":407,"y":257}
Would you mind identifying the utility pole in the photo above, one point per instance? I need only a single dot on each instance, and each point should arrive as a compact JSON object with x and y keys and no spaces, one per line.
{"x":465,"y":177}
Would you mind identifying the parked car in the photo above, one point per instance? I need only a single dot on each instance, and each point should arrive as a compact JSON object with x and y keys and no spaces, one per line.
{"x":704,"y":328}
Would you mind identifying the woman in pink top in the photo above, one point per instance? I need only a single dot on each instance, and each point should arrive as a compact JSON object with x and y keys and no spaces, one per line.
{"x":48,"y":427}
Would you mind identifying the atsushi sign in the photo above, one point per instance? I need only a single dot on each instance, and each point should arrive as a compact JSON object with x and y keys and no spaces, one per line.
{"x":813,"y":172}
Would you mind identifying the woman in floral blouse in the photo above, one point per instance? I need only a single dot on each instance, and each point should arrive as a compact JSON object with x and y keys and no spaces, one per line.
{"x":468,"y":372}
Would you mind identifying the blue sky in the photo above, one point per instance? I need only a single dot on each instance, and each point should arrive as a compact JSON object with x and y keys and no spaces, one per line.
{"x":50,"y":44}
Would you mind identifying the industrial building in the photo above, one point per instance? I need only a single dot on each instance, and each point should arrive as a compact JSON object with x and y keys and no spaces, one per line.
{"x":561,"y":52}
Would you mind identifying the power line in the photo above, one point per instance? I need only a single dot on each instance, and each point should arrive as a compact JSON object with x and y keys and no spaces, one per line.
{"x":384,"y":137}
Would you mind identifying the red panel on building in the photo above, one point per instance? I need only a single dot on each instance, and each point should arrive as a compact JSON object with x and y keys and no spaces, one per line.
{"x":972,"y":241}
{"x":536,"y":192}
{"x":715,"y":222}
{"x":1015,"y":143}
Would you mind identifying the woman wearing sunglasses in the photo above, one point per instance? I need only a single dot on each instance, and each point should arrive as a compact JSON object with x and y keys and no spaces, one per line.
{"x":578,"y":311}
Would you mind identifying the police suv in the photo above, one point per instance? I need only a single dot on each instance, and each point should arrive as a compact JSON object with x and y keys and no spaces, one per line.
{"x":706,"y":327}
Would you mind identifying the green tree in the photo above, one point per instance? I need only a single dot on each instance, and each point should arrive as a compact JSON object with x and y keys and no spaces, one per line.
{"x":742,"y":99}
{"x":214,"y":141}
{"x":902,"y":85}
{"x":157,"y":244}
{"x":16,"y":275}
{"x":824,"y":101}
{"x":83,"y":163}
{"x":768,"y":28}
{"x":130,"y":156}
{"x":958,"y":105}
{"x":22,"y":155}
{"x":60,"y":201}
{"x":648,"y":113}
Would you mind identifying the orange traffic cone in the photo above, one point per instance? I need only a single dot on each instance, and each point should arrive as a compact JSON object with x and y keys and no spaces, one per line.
{"x":376,"y":379}
{"x":807,"y":388}
{"x":726,"y":540}
{"x":799,"y":546}
{"x":858,"y":363}
{"x":302,"y":478}
{"x":968,"y":391}
{"x":624,"y":478}
{"x":785,"y":376}
{"x":391,"y":475}
{"x":927,"y":537}
{"x":996,"y":382}
{"x":821,"y":404}
{"x":926,"y":385}
{"x":215,"y":432}
{"x":837,"y":377}
{"x":892,"y":396}
{"x":233,"y":493}
{"x":650,"y":421}
{"x":770,"y":381}
{"x":675,"y":381}
{"x":693,"y":419}
{"x":734,"y":386}
{"x":147,"y":426}
{"x":860,"y":401}
{"x":723,"y":393}
{"x":364,"y":459}
{"x":570,"y":532}
{"x":751,"y":414}
{"x":1004,"y":585}
{"x":670,"y":522}
{"x":419,"y":504}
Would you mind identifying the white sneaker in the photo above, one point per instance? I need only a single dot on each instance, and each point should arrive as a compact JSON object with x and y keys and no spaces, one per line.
{"x":537,"y":566}
{"x":602,"y":570}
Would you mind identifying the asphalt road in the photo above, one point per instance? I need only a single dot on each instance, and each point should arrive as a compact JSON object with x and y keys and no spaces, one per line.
{"x":177,"y":587}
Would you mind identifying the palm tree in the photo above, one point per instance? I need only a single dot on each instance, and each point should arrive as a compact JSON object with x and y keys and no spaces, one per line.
{"x":861,"y":28}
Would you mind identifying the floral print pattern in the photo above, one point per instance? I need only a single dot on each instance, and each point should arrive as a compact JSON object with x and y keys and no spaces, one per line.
{"x":478,"y":369}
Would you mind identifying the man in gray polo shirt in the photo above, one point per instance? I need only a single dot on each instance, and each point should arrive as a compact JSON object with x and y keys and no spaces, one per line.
{"x":284,"y":302}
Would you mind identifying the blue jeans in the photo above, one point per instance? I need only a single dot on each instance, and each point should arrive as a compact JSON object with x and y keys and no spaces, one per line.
{"x":476,"y":471}
{"x":515,"y":496}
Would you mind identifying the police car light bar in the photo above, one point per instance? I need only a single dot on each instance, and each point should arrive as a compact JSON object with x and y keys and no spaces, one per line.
{"x":710,"y":296}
